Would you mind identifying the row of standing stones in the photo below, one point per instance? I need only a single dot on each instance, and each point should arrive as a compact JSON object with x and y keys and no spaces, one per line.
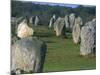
{"x":82,"y":33}
{"x":28,"y":53}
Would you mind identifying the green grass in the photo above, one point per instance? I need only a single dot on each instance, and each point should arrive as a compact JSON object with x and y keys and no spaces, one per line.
{"x":62,"y":54}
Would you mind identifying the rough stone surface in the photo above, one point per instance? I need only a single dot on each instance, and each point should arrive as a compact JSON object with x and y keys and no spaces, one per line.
{"x":88,"y":38}
{"x":36,"y":20}
{"x":24,"y":30}
{"x":76,"y":30}
{"x":71,"y":20}
{"x":28,"y":55}
{"x":59,"y":26}
{"x":52,"y":20}
{"x":67,"y":21}
{"x":19,"y":19}
{"x":13,"y":20}
{"x":14,"y":39}
{"x":31,"y":20}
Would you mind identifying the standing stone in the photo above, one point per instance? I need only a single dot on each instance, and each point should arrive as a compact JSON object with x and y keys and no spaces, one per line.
{"x":54,"y":16}
{"x":19,"y":19}
{"x":28,"y":55}
{"x":36,"y":20}
{"x":52,"y":20}
{"x":31,"y":20}
{"x":76,"y":30}
{"x":66,"y":21}
{"x":59,"y":26}
{"x":13,"y":20}
{"x":71,"y":20}
{"x":88,"y":38}
{"x":14,"y":24}
{"x":24,"y":30}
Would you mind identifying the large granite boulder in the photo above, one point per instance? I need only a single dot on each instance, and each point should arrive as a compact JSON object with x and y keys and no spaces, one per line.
{"x":59,"y":26}
{"x":88,"y":38}
{"x":27,"y":55}
{"x":71,"y":20}
{"x":67,"y":21}
{"x":52,"y":20}
{"x":24,"y":30}
{"x":77,"y":30}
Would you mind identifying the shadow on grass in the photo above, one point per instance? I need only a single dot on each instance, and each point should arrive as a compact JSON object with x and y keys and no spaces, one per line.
{"x":47,"y":41}
{"x":43,"y":34}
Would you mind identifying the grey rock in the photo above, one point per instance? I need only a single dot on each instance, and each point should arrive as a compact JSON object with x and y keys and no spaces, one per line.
{"x":14,"y":24}
{"x":32,"y":20}
{"x":77,"y":29}
{"x":52,"y":20}
{"x":28,"y":55}
{"x":88,"y":38}
{"x":24,"y":30}
{"x":13,"y":20}
{"x":67,"y":21}
{"x":36,"y":20}
{"x":14,"y":39}
{"x":71,"y":20}
{"x":19,"y":19}
{"x":59,"y":26}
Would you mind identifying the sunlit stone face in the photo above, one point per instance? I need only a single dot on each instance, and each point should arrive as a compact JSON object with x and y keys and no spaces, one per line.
{"x":24,"y":30}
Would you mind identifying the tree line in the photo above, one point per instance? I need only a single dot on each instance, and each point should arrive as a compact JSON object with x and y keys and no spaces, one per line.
{"x":45,"y":12}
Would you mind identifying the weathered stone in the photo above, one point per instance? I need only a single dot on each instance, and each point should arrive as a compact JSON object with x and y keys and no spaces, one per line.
{"x":13,"y":20}
{"x":14,"y":24}
{"x":59,"y":26}
{"x":54,"y":16}
{"x":19,"y":19}
{"x":71,"y":20}
{"x":24,"y":30}
{"x":76,"y":30}
{"x":52,"y":20}
{"x":88,"y":38}
{"x":67,"y":21}
{"x":31,"y":20}
{"x":36,"y":20}
{"x":28,"y":55}
{"x":14,"y":39}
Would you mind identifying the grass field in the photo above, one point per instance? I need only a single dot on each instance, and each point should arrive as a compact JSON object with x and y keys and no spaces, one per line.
{"x":62,"y":54}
